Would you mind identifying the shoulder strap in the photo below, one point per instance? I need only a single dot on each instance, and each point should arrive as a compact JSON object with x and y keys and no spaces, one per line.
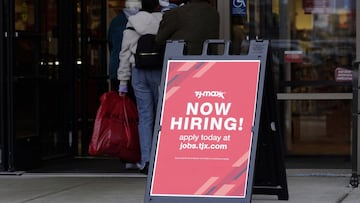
{"x":130,"y":28}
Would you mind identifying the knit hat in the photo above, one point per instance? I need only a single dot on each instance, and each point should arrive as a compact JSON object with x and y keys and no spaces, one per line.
{"x":135,"y":4}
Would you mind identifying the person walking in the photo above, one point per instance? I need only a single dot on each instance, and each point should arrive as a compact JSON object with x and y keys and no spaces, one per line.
{"x":115,"y":36}
{"x":144,"y":82}
{"x":194,"y":22}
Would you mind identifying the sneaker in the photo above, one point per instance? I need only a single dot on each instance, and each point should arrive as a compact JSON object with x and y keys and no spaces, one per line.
{"x":145,"y":170}
{"x":130,"y":166}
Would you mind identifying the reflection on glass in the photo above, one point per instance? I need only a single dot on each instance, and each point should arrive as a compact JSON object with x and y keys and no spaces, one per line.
{"x":50,"y":65}
{"x":320,"y":127}
{"x":310,"y":43}
{"x":24,"y":15}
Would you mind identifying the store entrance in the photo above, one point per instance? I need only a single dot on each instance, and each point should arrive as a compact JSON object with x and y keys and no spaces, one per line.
{"x":312,"y":44}
{"x":316,"y":99}
{"x":54,"y":73}
{"x":37,"y":119}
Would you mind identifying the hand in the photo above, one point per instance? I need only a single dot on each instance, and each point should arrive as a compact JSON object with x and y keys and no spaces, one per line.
{"x":122,"y":94}
{"x":122,"y":90}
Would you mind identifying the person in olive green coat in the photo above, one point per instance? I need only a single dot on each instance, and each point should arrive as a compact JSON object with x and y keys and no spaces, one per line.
{"x":193,"y":22}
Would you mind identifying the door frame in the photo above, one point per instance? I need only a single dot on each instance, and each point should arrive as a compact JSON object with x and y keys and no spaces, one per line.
{"x":7,"y":77}
{"x":357,"y":137}
{"x":67,"y":56}
{"x":87,"y":81}
{"x":2,"y":89}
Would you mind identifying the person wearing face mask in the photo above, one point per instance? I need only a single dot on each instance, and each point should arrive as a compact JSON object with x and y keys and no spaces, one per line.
{"x":194,"y":22}
{"x":144,"y":82}
{"x":166,"y":5}
{"x":115,"y":36}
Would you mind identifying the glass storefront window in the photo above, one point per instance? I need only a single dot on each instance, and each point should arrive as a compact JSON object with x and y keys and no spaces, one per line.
{"x":311,"y":41}
{"x":95,"y":36}
{"x":24,"y":15}
{"x":324,"y":36}
{"x":50,"y":65}
{"x":320,"y":128}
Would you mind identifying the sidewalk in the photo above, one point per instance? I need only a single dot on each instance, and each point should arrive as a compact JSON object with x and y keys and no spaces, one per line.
{"x":305,"y":186}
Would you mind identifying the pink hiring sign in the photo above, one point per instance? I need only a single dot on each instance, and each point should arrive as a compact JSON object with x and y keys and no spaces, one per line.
{"x":204,"y":145}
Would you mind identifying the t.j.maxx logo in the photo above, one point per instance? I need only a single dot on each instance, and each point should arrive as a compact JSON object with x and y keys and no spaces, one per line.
{"x":200,"y":94}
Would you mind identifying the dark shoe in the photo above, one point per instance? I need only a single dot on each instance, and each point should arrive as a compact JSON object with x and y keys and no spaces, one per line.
{"x":145,"y":170}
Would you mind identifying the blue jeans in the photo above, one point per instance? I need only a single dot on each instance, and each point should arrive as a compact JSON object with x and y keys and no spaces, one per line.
{"x":146,"y":88}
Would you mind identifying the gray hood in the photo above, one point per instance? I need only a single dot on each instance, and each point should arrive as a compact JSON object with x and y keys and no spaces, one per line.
{"x":146,"y":23}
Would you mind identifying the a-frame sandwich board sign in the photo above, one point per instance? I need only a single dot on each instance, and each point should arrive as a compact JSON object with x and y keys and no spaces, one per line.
{"x":270,"y":174}
{"x":207,"y":125}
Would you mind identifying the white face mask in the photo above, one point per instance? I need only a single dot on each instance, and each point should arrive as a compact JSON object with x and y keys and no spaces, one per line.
{"x":164,"y":3}
{"x":133,"y":4}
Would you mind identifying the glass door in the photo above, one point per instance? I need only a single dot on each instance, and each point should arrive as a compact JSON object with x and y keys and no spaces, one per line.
{"x":313,"y":47}
{"x":314,"y":54}
{"x":24,"y":90}
{"x":37,"y":122}
{"x":92,"y":78}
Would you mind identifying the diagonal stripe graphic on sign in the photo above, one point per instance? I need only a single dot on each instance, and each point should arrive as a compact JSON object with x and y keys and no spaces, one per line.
{"x":223,"y":190}
{"x":242,"y":159}
{"x":171,"y":92}
{"x":181,"y":73}
{"x":231,"y":178}
{"x":186,"y":66}
{"x":206,"y":185}
{"x":204,"y":69}
{"x":240,"y":190}
{"x":240,"y":173}
{"x":172,"y":80}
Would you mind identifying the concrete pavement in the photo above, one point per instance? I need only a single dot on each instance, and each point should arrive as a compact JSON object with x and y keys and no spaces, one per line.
{"x":304,"y":185}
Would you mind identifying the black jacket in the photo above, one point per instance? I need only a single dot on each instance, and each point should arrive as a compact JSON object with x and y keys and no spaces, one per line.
{"x":194,"y":22}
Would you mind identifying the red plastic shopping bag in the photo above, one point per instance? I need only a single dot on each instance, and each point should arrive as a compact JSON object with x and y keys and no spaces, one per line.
{"x":116,"y":128}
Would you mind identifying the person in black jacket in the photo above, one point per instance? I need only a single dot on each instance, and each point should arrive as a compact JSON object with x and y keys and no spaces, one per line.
{"x":193,"y":22}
